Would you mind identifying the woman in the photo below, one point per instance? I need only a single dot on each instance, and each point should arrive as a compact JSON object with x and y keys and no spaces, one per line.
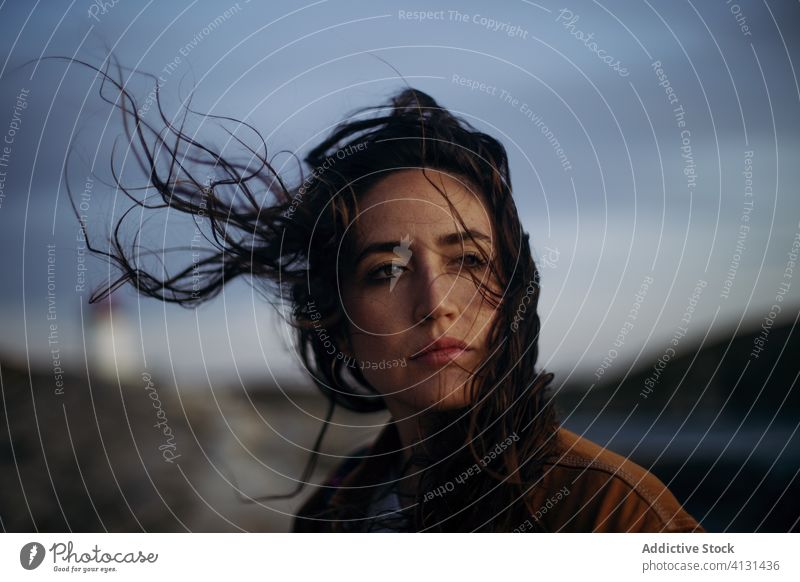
{"x":412,"y":287}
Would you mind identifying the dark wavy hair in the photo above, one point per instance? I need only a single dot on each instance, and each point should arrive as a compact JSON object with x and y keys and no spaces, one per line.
{"x":287,"y":239}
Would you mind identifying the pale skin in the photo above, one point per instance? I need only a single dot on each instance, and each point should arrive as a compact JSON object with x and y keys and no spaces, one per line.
{"x":400,"y":296}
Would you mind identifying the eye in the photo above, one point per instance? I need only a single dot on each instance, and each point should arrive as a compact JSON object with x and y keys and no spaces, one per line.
{"x":471,"y":260}
{"x":386,"y":271}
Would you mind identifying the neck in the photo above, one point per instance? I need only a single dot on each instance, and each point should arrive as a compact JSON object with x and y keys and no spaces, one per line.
{"x":410,"y":426}
{"x":413,"y":427}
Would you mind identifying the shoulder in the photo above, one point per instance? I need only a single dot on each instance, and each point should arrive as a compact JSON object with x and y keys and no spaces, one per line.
{"x":586,"y":487}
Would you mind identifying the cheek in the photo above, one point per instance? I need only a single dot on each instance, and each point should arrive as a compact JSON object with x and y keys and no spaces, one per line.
{"x":372,"y":349}
{"x":373,"y":330}
{"x":383,"y":363}
{"x":478,"y":317}
{"x":374,"y":314}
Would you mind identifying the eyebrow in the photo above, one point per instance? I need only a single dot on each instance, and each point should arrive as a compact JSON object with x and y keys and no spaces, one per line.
{"x":450,"y":239}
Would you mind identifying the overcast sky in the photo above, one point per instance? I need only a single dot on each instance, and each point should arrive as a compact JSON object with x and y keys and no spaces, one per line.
{"x":620,"y":201}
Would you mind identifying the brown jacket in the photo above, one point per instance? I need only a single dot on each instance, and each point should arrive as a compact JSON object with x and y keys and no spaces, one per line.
{"x":586,"y":488}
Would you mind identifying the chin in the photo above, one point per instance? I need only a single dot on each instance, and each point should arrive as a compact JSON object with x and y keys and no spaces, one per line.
{"x":433,"y":397}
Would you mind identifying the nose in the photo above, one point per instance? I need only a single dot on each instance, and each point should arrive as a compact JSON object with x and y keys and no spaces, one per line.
{"x":434,"y":296}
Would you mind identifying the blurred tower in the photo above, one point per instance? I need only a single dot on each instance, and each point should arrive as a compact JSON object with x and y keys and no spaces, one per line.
{"x":113,"y":351}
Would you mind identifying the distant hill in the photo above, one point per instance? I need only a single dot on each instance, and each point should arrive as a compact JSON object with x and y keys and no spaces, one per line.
{"x":719,"y":427}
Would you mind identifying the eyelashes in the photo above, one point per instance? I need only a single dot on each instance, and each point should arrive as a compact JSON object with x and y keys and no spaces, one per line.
{"x":386,"y":271}
{"x":477,"y":260}
{"x":393,"y":269}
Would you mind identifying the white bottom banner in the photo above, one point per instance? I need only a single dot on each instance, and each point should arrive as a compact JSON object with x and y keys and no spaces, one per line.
{"x":367,"y":557}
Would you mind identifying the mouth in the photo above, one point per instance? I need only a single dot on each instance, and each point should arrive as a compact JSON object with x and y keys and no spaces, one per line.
{"x":440,"y":352}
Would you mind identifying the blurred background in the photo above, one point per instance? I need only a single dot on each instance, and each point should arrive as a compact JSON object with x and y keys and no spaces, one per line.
{"x":654,"y":154}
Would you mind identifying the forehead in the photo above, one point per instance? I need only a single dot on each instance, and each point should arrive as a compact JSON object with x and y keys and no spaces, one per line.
{"x":406,"y":202}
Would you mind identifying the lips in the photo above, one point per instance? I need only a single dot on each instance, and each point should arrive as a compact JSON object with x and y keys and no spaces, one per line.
{"x":441,"y":351}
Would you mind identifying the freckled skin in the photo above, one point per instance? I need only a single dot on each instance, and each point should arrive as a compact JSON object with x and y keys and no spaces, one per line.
{"x":398,"y":302}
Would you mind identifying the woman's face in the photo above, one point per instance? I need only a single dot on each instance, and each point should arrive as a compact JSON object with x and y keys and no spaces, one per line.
{"x":417,"y":321}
